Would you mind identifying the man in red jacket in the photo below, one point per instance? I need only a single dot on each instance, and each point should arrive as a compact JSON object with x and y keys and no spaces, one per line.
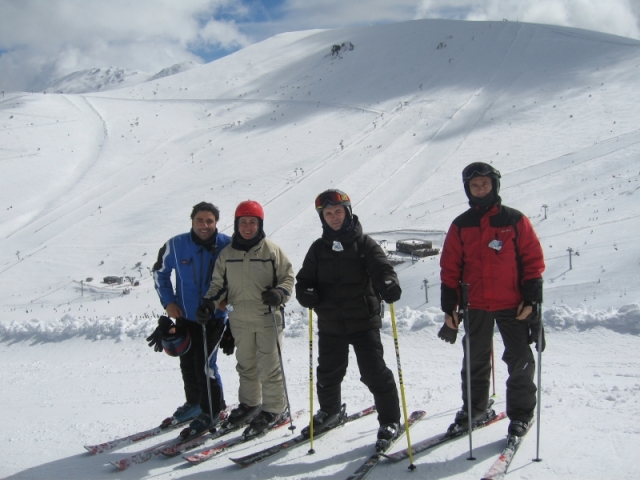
{"x":494,"y":250}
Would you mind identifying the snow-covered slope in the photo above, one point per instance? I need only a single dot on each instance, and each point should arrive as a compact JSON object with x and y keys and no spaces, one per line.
{"x":92,"y":186}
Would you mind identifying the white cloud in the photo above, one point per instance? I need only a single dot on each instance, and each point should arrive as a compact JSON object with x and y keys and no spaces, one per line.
{"x":618,"y":17}
{"x":47,"y":39}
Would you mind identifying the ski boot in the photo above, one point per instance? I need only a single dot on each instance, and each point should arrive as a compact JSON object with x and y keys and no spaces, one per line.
{"x":183,"y":413}
{"x":201,"y":424}
{"x":387,"y":433}
{"x":241,"y":414}
{"x":461,"y":421}
{"x":518,"y":428}
{"x":262,"y":422}
{"x":323,"y":421}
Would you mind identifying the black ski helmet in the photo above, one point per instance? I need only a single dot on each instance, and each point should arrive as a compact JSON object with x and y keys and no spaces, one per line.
{"x":177,"y":344}
{"x":481,"y":169}
{"x":333,"y":197}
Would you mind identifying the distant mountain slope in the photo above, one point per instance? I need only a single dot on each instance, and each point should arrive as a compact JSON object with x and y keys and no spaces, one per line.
{"x":110,"y":78}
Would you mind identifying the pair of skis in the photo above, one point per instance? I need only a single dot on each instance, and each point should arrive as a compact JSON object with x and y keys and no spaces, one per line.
{"x":167,"y":447}
{"x":180,"y":444}
{"x":297,"y":440}
{"x":367,"y":466}
{"x":497,"y":471}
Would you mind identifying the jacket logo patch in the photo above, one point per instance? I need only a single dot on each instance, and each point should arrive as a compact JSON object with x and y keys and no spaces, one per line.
{"x":185,"y":262}
{"x":495,"y":244}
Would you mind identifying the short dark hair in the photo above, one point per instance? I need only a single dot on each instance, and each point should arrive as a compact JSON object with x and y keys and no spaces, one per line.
{"x":205,"y":207}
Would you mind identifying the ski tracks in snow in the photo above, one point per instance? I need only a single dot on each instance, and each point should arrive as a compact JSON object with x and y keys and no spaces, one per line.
{"x":445,"y":142}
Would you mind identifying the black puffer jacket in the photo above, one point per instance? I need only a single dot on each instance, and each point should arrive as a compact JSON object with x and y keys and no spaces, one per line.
{"x":346,"y":282}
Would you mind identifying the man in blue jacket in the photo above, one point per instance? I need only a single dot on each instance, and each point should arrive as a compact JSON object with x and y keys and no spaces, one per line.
{"x":192,"y":256}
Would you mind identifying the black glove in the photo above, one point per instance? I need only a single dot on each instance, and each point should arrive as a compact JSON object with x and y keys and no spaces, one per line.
{"x":162,"y":330}
{"x":448,"y":334}
{"x":204,"y":313}
{"x":273,"y":297}
{"x":531,"y":291}
{"x":535,"y":325}
{"x":309,"y":298}
{"x":227,"y":344}
{"x":214,"y":328}
{"x":392,"y":292}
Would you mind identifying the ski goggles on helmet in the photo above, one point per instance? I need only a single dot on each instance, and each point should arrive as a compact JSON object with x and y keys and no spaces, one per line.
{"x":479,"y":169}
{"x":331,"y":198}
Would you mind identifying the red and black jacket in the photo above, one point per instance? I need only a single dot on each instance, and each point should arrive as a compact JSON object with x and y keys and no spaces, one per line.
{"x":497,"y":253}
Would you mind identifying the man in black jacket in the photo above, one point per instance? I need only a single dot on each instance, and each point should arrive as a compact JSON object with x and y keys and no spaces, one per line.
{"x":343,"y":277}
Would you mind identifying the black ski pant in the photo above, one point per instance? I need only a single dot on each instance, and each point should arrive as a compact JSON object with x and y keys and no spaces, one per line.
{"x":333,"y":359}
{"x":193,"y":365}
{"x":521,"y":390}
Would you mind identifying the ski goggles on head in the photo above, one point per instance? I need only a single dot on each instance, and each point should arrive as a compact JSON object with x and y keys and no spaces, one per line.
{"x":331,"y":198}
{"x":479,"y":169}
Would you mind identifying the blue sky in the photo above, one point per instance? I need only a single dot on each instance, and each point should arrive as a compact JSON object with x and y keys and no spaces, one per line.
{"x":41,"y":41}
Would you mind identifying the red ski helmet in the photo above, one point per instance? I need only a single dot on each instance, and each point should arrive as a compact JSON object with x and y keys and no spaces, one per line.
{"x":249,"y":208}
{"x":178,"y":344}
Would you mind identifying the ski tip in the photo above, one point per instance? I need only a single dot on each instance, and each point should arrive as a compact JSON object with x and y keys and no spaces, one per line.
{"x":121,"y":464}
{"x":91,"y":449}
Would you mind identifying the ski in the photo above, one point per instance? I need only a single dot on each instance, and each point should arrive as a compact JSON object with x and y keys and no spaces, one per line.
{"x":217,"y":449}
{"x":499,"y":468}
{"x":274,"y":450}
{"x":440,"y":439}
{"x":166,"y":426}
{"x":371,"y":462}
{"x":176,"y":448}
{"x":146,"y":454}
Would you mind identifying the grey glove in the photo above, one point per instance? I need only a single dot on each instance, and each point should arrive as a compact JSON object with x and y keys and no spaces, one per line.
{"x":273,"y":297}
{"x":204,"y":313}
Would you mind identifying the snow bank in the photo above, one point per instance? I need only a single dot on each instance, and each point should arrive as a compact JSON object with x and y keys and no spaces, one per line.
{"x":625,"y":319}
{"x":69,"y":326}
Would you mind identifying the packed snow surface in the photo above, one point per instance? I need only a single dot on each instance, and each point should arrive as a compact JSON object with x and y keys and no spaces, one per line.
{"x":94,"y":184}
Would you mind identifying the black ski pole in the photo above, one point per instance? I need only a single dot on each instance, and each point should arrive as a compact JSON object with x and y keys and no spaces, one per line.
{"x":311,"y":449}
{"x":493,"y":369}
{"x":538,"y":307}
{"x":207,"y":369}
{"x":467,"y":338}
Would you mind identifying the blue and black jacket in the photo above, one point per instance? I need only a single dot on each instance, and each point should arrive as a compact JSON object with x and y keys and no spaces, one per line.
{"x":193,"y":261}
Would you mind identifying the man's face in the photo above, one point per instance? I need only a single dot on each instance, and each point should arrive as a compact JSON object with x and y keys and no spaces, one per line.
{"x":334,"y":216}
{"x":248,"y":227}
{"x":204,"y":225}
{"x":480,"y":186}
